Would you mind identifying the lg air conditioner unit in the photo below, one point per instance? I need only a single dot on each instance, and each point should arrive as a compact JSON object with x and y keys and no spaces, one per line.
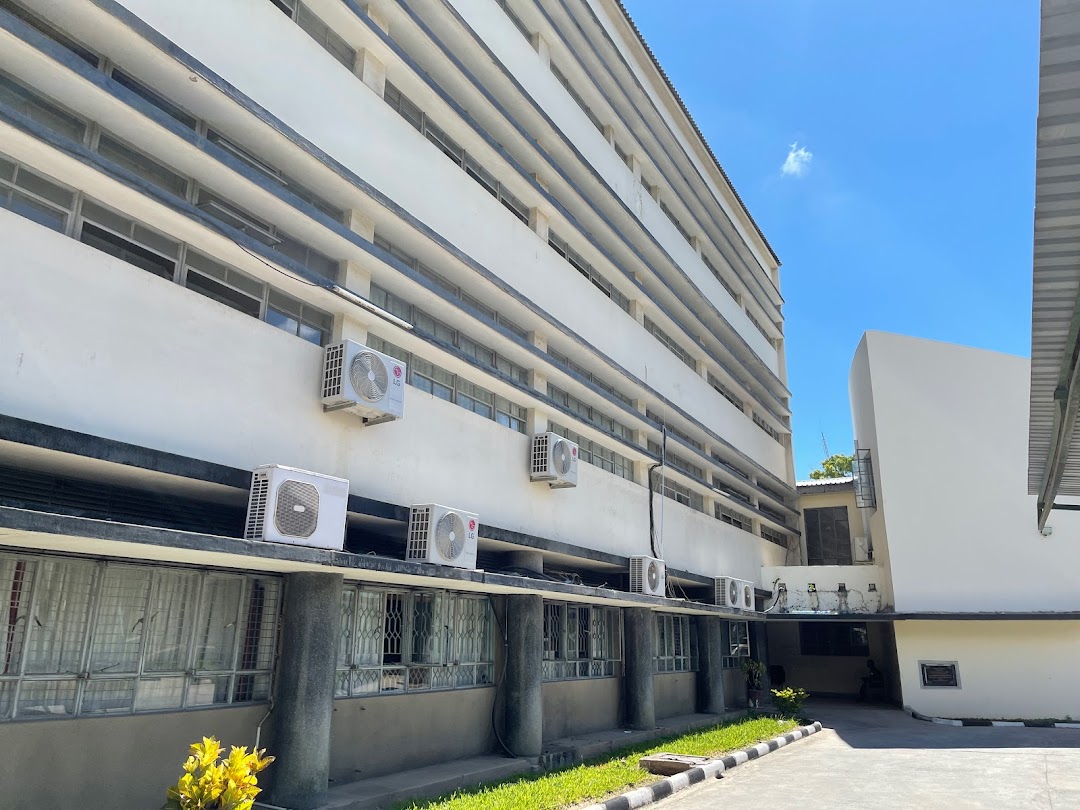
{"x":296,"y":507}
{"x":363,"y":381}
{"x":442,"y":536}
{"x":648,"y":575}
{"x":554,"y":460}
{"x":860,"y":549}
{"x":734,"y":593}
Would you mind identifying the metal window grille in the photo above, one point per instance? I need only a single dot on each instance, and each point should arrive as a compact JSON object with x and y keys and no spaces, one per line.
{"x":580,"y":641}
{"x":765,"y":426}
{"x":84,"y":637}
{"x":672,"y":345}
{"x":411,"y":641}
{"x":577,"y":261}
{"x":676,"y":644}
{"x":736,"y":641}
{"x":774,"y":536}
{"x":733,"y":518}
{"x":726,"y":392}
{"x":593,"y":453}
{"x":862,"y":469}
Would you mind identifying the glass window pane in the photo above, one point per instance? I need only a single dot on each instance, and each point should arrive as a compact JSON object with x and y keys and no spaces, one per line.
{"x":215,"y":639}
{"x":61,"y":612}
{"x":143,"y":166}
{"x":34,"y":210}
{"x":223,"y":294}
{"x":170,"y":621}
{"x":208,"y":691}
{"x":127,"y":251}
{"x":46,"y":699}
{"x":159,"y":693}
{"x":16,"y":574}
{"x":282,"y":321}
{"x":108,"y":696}
{"x":38,"y":109}
{"x":258,"y":623}
{"x":120,"y":619}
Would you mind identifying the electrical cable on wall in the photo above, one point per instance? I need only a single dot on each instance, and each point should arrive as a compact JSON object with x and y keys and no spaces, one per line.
{"x":498,"y":682}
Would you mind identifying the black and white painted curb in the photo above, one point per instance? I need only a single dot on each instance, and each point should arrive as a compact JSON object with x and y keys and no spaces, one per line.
{"x":944,"y":721}
{"x":673,"y":784}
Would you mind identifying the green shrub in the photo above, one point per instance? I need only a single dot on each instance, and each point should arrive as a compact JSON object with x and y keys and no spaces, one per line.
{"x":789,"y":701}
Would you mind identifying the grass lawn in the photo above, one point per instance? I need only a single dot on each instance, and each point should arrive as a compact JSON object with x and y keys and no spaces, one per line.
{"x":598,"y":778}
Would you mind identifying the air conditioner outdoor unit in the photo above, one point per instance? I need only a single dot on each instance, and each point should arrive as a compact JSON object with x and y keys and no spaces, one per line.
{"x":296,"y":507}
{"x":648,"y":575}
{"x":363,"y":381}
{"x":734,"y":593}
{"x":441,"y":535}
{"x":554,"y":460}
{"x":860,"y":547}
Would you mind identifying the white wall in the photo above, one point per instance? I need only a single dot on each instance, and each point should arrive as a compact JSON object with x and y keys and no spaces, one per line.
{"x":826,"y":579}
{"x":243,"y":46}
{"x":947,"y":426}
{"x":1007,"y":670}
{"x":90,"y":343}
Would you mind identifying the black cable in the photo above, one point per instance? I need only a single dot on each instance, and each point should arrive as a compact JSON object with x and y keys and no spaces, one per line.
{"x":498,"y":683}
{"x":660,"y":463}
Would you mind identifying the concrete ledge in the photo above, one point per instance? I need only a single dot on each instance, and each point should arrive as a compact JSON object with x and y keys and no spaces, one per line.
{"x":421,"y":783}
{"x":945,"y":721}
{"x":673,"y":784}
{"x":571,"y":750}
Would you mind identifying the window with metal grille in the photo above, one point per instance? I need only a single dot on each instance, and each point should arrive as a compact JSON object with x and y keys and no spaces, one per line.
{"x":580,"y":641}
{"x":569,"y":364}
{"x":677,"y":492}
{"x":576,"y":96}
{"x":674,"y":221}
{"x":726,"y":392}
{"x":28,"y":194}
{"x":395,"y":641}
{"x":733,"y":518}
{"x":676,"y":461}
{"x":758,"y":325}
{"x":727,"y":489}
{"x":595,"y":454}
{"x":862,"y":469}
{"x":85,"y":637}
{"x":449,"y":147}
{"x":669,"y":342}
{"x":676,"y":644}
{"x":735,"y":641}
{"x":828,"y":536}
{"x":577,"y":261}
{"x":451,"y":387}
{"x":720,"y":278}
{"x":674,"y":430}
{"x":765,"y":426}
{"x":774,"y":536}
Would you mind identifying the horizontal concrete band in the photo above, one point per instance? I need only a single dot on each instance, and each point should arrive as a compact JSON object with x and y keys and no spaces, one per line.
{"x":680,"y":781}
{"x":975,"y":721}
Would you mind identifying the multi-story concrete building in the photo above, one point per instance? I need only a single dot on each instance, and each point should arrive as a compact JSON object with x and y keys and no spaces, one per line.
{"x":506,"y":195}
{"x":940,"y":573}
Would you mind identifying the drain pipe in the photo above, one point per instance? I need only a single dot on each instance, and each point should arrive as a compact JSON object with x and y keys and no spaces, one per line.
{"x":652,"y":469}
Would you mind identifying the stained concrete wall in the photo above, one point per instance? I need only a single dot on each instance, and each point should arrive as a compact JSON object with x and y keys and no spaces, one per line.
{"x":675,"y":693}
{"x":828,"y":674}
{"x":111,"y":763}
{"x":581,"y":706}
{"x":379,"y":735}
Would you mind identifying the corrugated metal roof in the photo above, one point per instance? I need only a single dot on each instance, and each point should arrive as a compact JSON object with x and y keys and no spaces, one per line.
{"x":1056,"y":257}
{"x":697,"y":130}
{"x":830,"y":483}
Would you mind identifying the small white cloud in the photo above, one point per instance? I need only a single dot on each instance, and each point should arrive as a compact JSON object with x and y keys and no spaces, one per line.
{"x":797,"y":162}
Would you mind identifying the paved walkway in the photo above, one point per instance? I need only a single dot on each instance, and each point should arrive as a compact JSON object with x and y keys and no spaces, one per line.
{"x":876,"y":757}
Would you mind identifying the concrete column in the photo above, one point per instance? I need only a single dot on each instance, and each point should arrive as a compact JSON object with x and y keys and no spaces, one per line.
{"x":304,"y":697}
{"x":695,"y":243}
{"x":635,"y":167}
{"x":370,"y":70}
{"x":637,"y":311}
{"x":710,"y":676}
{"x":528,"y":559}
{"x":523,"y":707}
{"x":536,"y":421}
{"x":542,"y":48}
{"x":639,"y":650}
{"x":355,"y":278}
{"x":359,"y":223}
{"x":538,"y":221}
{"x":538,"y":380}
{"x":538,"y":340}
{"x":702,"y":368}
{"x":378,"y":15}
{"x":759,"y":651}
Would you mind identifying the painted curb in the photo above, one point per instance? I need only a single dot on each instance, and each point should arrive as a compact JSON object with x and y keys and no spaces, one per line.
{"x":673,"y":784}
{"x":944,"y":721}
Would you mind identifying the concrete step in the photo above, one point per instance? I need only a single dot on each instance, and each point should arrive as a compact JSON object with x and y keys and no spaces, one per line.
{"x":427,"y":782}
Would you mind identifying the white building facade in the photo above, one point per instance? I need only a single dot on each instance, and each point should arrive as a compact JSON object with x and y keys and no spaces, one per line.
{"x":966,"y":606}
{"x":196,"y":199}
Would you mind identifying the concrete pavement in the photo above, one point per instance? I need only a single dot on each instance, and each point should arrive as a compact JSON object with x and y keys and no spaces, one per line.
{"x":873,"y":757}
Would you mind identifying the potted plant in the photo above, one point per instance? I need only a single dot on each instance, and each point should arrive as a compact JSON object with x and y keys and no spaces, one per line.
{"x":754,"y":671}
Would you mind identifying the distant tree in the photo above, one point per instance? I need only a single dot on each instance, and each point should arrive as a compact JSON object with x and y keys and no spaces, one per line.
{"x":835,"y":466}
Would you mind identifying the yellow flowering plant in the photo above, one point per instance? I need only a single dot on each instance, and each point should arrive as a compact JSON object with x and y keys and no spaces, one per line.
{"x":210,"y":784}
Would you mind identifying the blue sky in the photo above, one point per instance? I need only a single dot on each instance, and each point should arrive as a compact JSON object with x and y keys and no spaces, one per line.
{"x":914,"y":213}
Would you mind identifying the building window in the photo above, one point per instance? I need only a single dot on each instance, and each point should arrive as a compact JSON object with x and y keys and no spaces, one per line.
{"x":561,"y":79}
{"x":589,"y":414}
{"x":32,"y":196}
{"x":726,"y":392}
{"x":597,"y":455}
{"x":669,"y":342}
{"x":828,"y":536}
{"x":765,"y":426}
{"x":83,"y":637}
{"x":580,"y":641}
{"x":36,"y":108}
{"x":676,"y":461}
{"x":758,"y":325}
{"x":445,"y":385}
{"x":424,"y":323}
{"x":449,"y":147}
{"x":678,"y":493}
{"x":584,"y":373}
{"x":774,"y":536}
{"x":515,"y":19}
{"x":676,"y":644}
{"x":675,"y":221}
{"x":413,"y":641}
{"x":720,"y":278}
{"x":862,"y":469}
{"x":317,"y":30}
{"x":729,"y":490}
{"x":834,"y":638}
{"x":736,"y":644}
{"x":575,"y":259}
{"x":732,"y":518}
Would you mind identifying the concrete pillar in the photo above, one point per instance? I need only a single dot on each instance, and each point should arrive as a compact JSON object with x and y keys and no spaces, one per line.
{"x":710,"y":675}
{"x":355,"y":278}
{"x":635,"y":167}
{"x":637,"y":311}
{"x":538,"y":340}
{"x":695,"y":243}
{"x":523,"y":706}
{"x":639,"y":650}
{"x":536,"y":421}
{"x":702,"y":368}
{"x":370,"y":70}
{"x":377,"y":13}
{"x":528,"y":559}
{"x":538,"y":221}
{"x":538,"y":380}
{"x":759,"y":651}
{"x":304,"y":696}
{"x":542,"y":48}
{"x":360,"y":223}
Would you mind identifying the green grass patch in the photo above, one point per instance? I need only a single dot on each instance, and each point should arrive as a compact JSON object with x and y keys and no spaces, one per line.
{"x":602,"y":777}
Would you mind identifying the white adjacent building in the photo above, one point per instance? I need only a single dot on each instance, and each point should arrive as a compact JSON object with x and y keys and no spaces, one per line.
{"x":505,"y":196}
{"x":969,"y":609}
